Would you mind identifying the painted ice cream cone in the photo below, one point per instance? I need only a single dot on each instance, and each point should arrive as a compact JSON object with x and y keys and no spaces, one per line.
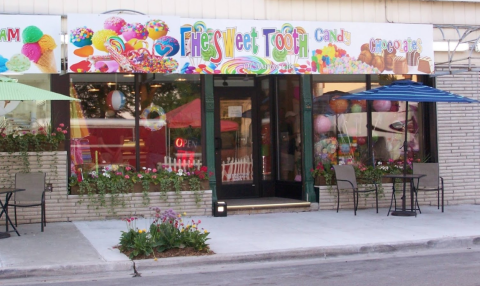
{"x":38,"y":47}
{"x":46,"y":63}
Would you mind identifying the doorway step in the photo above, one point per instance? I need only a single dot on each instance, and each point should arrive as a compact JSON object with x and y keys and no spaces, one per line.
{"x":266,"y":205}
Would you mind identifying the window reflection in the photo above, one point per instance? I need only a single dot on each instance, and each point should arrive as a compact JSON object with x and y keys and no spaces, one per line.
{"x":388,"y":122}
{"x":170,"y":120}
{"x":288,"y":129}
{"x":26,"y":116}
{"x":103,"y":128}
{"x":339,"y":125}
{"x":102,"y":125}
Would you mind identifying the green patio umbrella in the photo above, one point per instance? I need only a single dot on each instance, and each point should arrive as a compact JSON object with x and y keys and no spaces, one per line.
{"x":11,"y":90}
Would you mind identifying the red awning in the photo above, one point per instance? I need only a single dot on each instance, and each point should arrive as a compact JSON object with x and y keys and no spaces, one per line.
{"x":190,"y":114}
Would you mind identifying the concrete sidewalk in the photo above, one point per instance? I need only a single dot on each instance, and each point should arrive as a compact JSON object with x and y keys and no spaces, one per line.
{"x":88,"y":246}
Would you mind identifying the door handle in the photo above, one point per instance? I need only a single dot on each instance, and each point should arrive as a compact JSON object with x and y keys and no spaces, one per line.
{"x":218,"y":143}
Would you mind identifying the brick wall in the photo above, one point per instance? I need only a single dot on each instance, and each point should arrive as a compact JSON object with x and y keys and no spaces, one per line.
{"x":459,"y":139}
{"x":63,"y":207}
{"x":328,"y":198}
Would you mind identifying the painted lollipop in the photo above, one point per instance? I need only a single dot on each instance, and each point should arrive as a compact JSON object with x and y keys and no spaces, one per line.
{"x":100,"y":37}
{"x":114,"y":24}
{"x":134,"y":31}
{"x":81,"y":37}
{"x":156,"y":29}
{"x":166,"y":46}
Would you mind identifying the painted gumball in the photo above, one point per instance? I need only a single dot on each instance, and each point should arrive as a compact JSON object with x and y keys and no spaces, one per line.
{"x":115,"y":99}
{"x":338,"y":105}
{"x":382,"y":105}
{"x":322,"y":124}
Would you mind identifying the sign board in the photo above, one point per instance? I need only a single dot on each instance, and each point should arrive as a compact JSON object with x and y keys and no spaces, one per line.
{"x":162,"y":44}
{"x":30,"y":44}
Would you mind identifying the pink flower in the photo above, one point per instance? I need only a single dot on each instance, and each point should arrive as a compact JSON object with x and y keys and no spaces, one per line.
{"x":127,"y":177}
{"x":33,"y":132}
{"x":59,"y":129}
{"x":61,"y":124}
{"x":3,"y":135}
{"x":128,"y":168}
{"x":154,"y":177}
{"x":154,"y":170}
{"x":118,"y":173}
{"x":53,"y":134}
{"x":64,"y":131}
{"x":139,"y":175}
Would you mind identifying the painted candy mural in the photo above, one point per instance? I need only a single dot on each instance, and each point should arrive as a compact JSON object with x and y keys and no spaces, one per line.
{"x":161,"y":44}
{"x":29,"y":44}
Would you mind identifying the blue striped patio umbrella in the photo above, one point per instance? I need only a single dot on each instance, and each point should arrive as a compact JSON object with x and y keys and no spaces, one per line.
{"x":407,"y":90}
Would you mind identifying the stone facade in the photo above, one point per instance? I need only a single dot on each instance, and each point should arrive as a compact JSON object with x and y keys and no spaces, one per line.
{"x":459,"y":138}
{"x":328,"y":199}
{"x":63,"y":207}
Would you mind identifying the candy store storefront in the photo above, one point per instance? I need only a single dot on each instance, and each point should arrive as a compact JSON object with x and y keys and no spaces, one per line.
{"x":258,"y":102}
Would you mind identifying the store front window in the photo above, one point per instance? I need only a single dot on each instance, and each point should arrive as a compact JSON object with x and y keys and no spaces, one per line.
{"x":104,"y":129}
{"x":26,"y":116}
{"x":340,"y":126}
{"x":171,"y":121}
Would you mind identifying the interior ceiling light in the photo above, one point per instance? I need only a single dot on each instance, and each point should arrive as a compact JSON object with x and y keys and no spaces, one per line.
{"x":111,"y":83}
{"x":93,"y":89}
{"x":156,"y":85}
{"x":181,"y":79}
{"x":129,"y":75}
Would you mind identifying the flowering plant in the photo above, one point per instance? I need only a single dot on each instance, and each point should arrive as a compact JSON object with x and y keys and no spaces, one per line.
{"x":324,"y":170}
{"x":396,"y":166}
{"x":45,"y":138}
{"x":120,"y":180}
{"x":167,"y":231}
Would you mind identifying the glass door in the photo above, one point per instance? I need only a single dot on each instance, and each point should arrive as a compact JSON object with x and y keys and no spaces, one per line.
{"x":235,"y":142}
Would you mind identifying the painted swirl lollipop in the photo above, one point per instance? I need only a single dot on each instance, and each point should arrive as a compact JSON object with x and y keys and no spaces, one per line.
{"x":279,"y":56}
{"x":200,"y":26}
{"x":116,"y":43}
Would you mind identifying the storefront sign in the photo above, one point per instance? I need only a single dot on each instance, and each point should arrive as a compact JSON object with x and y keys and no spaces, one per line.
{"x":137,"y":43}
{"x":30,"y":44}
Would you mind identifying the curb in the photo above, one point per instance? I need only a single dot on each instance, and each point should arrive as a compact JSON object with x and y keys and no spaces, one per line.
{"x":265,"y":256}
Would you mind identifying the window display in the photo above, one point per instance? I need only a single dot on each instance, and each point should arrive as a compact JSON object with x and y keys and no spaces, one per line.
{"x":104,"y":129}
{"x":340,"y":125}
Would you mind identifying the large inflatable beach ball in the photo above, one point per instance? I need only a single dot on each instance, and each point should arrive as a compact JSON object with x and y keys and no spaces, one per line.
{"x":322,"y":124}
{"x":382,"y":105}
{"x":338,"y":105}
{"x":115,"y":99}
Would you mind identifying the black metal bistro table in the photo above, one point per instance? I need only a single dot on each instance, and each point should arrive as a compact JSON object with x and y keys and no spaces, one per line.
{"x":8,"y":192}
{"x":405,"y":177}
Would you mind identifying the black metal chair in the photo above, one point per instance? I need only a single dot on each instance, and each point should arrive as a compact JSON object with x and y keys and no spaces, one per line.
{"x":432,"y":182}
{"x":346,"y":180}
{"x":33,"y":196}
